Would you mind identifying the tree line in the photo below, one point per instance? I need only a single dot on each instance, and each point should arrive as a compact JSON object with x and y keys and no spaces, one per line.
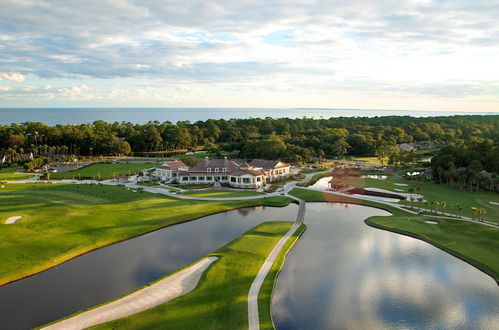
{"x":287,"y":139}
{"x":472,"y":163}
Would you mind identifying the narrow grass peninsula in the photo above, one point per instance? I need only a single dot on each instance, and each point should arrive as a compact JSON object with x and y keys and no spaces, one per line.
{"x":220,"y":300}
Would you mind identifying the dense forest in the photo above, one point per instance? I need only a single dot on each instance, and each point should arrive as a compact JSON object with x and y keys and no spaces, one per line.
{"x":467,"y":138}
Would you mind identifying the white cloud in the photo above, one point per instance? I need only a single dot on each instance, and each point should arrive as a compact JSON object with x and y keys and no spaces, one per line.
{"x":76,"y":92}
{"x":13,"y":76}
{"x":290,"y":45}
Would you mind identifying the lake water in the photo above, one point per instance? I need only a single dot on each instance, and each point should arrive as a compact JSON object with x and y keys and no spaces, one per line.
{"x":53,"y":116}
{"x":112,"y":271}
{"x":343,"y":274}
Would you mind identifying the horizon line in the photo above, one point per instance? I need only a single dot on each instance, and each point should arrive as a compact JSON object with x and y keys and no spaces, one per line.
{"x":248,"y":108}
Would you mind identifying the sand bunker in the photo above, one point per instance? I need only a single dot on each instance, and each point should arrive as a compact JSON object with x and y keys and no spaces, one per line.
{"x":400,"y":184}
{"x":13,"y":219}
{"x":157,"y":293}
{"x":372,"y":176}
{"x":494,"y":203}
{"x":431,"y":222}
{"x":377,"y":198}
{"x":407,"y":195}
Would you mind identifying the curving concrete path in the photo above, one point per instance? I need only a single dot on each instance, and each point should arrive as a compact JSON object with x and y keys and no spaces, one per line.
{"x":156,"y":294}
{"x":253,"y":315}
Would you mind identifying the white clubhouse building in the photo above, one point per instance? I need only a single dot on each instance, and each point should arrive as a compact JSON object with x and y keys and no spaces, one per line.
{"x":240,"y":175}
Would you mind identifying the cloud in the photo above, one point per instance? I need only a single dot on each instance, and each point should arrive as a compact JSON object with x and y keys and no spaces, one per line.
{"x":13,"y":76}
{"x":287,"y":45}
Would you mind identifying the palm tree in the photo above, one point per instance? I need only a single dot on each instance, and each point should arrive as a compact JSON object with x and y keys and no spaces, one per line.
{"x":435,"y":206}
{"x":411,"y":191}
{"x":420,"y":200}
{"x":474,"y":210}
{"x":482,"y":213}
{"x":459,"y":208}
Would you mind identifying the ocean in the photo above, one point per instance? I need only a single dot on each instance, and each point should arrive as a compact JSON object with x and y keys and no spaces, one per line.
{"x":54,"y":116}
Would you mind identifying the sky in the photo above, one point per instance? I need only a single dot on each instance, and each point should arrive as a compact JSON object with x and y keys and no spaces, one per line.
{"x":383,"y":54}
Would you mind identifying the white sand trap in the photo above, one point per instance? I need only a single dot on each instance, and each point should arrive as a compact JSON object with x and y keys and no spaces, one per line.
{"x":401,"y":184}
{"x":156,"y":294}
{"x":494,"y":203}
{"x":377,"y":198}
{"x":13,"y":219}
{"x":407,"y":195}
{"x":431,"y":222}
{"x":372,"y":176}
{"x":398,"y":190}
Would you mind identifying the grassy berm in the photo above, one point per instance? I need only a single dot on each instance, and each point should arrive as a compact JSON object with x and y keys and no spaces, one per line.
{"x":220,"y":301}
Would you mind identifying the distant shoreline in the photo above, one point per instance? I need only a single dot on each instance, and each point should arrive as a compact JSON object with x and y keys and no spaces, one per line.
{"x":75,"y":115}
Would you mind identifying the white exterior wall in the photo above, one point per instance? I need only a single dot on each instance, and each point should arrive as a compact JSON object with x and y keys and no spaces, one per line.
{"x":273,"y":175}
{"x":243,"y":181}
{"x":163,"y":174}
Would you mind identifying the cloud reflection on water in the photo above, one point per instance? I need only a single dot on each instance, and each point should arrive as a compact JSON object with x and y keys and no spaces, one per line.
{"x":345,"y":274}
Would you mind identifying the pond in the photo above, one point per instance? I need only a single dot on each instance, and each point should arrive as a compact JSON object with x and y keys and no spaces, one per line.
{"x":114,"y":270}
{"x":323,"y":183}
{"x":343,"y":274}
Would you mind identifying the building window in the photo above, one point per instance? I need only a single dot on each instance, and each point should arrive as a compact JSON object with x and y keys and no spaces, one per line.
{"x":224,"y":170}
{"x":208,"y":178}
{"x":216,"y":169}
{"x":232,"y":179}
{"x":185,"y":178}
{"x":208,"y":170}
{"x":224,"y":178}
{"x":258,"y":179}
{"x":246,"y":180}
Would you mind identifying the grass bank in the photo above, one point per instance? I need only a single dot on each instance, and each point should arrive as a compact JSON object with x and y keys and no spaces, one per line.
{"x":11,"y":174}
{"x":314,"y":179}
{"x":62,"y":221}
{"x":267,"y":289}
{"x":319,"y":196}
{"x":221,"y":299}
{"x":221,"y":193}
{"x":103,"y":171}
{"x":441,"y":193}
{"x":471,"y":242}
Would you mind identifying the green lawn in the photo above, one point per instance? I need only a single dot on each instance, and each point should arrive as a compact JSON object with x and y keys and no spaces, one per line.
{"x":221,"y":193}
{"x":10,"y":174}
{"x":474,"y":243}
{"x":103,"y":171}
{"x":308,"y":170}
{"x":372,"y":160}
{"x":220,"y":301}
{"x":440,"y":192}
{"x":61,"y":221}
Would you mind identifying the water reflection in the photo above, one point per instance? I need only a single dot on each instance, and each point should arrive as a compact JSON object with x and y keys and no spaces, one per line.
{"x":323,"y":183}
{"x":343,"y":274}
{"x":117,"y":269}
